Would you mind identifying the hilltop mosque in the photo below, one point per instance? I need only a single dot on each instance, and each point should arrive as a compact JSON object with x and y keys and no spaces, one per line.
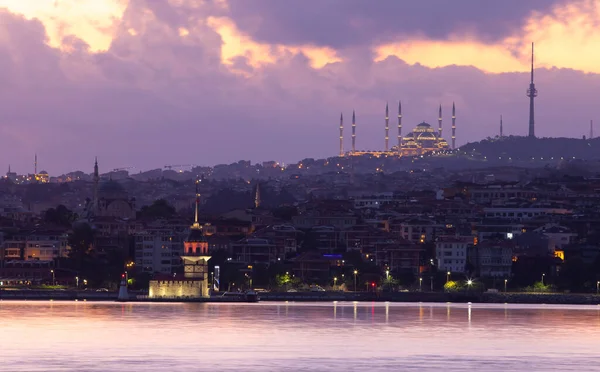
{"x":421,"y":140}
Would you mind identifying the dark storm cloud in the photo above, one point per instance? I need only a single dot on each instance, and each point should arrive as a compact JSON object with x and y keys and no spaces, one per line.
{"x":343,"y":23}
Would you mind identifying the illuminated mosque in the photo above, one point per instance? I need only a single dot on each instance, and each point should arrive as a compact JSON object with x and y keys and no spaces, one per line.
{"x":421,"y":140}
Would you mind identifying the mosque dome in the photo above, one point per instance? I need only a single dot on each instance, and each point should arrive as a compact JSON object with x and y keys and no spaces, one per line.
{"x":112,"y":189}
{"x":425,"y":138}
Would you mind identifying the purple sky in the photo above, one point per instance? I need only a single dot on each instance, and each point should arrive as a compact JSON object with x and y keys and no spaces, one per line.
{"x":155,"y":97}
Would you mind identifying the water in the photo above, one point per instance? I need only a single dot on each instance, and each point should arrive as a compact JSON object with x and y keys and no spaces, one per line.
{"x":86,"y":336}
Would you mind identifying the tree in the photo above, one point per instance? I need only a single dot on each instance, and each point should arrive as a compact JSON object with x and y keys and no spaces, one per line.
{"x":159,"y":209}
{"x":60,"y":216}
{"x":80,"y":240}
{"x":285,"y":213}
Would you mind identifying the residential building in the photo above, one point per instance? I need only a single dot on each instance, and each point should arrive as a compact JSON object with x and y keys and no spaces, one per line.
{"x":452,"y":253}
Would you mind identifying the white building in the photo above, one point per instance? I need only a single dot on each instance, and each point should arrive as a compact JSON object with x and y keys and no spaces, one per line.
{"x":157,"y":250}
{"x":451,"y":253}
{"x":36,"y":245}
{"x":561,"y":236}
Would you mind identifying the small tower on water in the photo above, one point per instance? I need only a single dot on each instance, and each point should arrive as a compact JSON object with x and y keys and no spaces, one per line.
{"x":194,"y":283}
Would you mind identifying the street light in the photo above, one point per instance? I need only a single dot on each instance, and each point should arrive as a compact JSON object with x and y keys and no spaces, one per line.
{"x":543,"y":275}
{"x":387,"y":274}
{"x":334,"y":282}
{"x":52,"y":271}
{"x":447,"y":276}
{"x":597,"y":287}
{"x":505,"y":282}
{"x":355,"y":273}
{"x":77,"y":282}
{"x":420,"y":284}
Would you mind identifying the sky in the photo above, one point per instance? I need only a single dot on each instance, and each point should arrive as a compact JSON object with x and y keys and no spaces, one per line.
{"x":149,"y":83}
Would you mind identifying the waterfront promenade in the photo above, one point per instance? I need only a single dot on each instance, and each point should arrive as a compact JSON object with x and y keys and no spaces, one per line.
{"x":428,"y":297}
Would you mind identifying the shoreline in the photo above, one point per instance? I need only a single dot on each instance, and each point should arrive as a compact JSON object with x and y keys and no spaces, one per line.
{"x":406,"y":297}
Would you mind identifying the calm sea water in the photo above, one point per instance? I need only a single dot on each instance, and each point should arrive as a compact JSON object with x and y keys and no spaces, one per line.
{"x":86,"y":336}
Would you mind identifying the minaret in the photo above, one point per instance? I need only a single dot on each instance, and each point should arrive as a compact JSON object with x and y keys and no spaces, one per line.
{"x":453,"y":126}
{"x":35,"y":166}
{"x":531,"y":93}
{"x":341,"y":134}
{"x":387,"y":127}
{"x":501,"y":134}
{"x":440,"y":122}
{"x":96,"y":180}
{"x":353,"y":132}
{"x":257,"y":200}
{"x":399,"y":126}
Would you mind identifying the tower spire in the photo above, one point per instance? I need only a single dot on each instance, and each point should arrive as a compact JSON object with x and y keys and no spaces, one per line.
{"x":196,"y":225}
{"x":532,"y":93}
{"x":453,"y":126}
{"x":341,"y":134}
{"x":501,"y":134}
{"x":35,"y":166}
{"x":440,"y":122}
{"x":387,"y":127}
{"x":353,"y":132}
{"x":399,"y":127}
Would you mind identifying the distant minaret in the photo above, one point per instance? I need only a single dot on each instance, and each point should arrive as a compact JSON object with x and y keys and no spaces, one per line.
{"x":387,"y":127}
{"x":440,"y":122}
{"x":501,"y":134}
{"x":591,"y":129}
{"x":531,"y":93}
{"x":35,"y":166}
{"x":96,"y":182}
{"x":353,"y":132}
{"x":399,"y":125}
{"x":341,"y":134}
{"x":257,"y":200}
{"x":453,"y":126}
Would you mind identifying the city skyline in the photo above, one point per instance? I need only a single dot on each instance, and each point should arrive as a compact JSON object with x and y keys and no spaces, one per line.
{"x":225,"y":80}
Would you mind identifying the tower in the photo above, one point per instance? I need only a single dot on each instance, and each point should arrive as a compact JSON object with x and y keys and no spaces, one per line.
{"x":353,"y":132}
{"x":591,"y":129}
{"x":399,"y":126}
{"x":453,"y":126}
{"x":501,"y":134}
{"x":195,"y":258}
{"x":531,"y":93}
{"x":35,"y":166}
{"x":341,"y":134}
{"x":440,"y":122}
{"x":257,"y":200}
{"x":387,"y":127}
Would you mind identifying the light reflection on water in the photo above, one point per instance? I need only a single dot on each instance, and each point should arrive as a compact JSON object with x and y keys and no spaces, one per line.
{"x":87,"y":336}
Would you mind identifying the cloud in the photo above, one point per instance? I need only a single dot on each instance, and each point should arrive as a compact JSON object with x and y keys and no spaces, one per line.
{"x":345,"y":23}
{"x":171,"y":88}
